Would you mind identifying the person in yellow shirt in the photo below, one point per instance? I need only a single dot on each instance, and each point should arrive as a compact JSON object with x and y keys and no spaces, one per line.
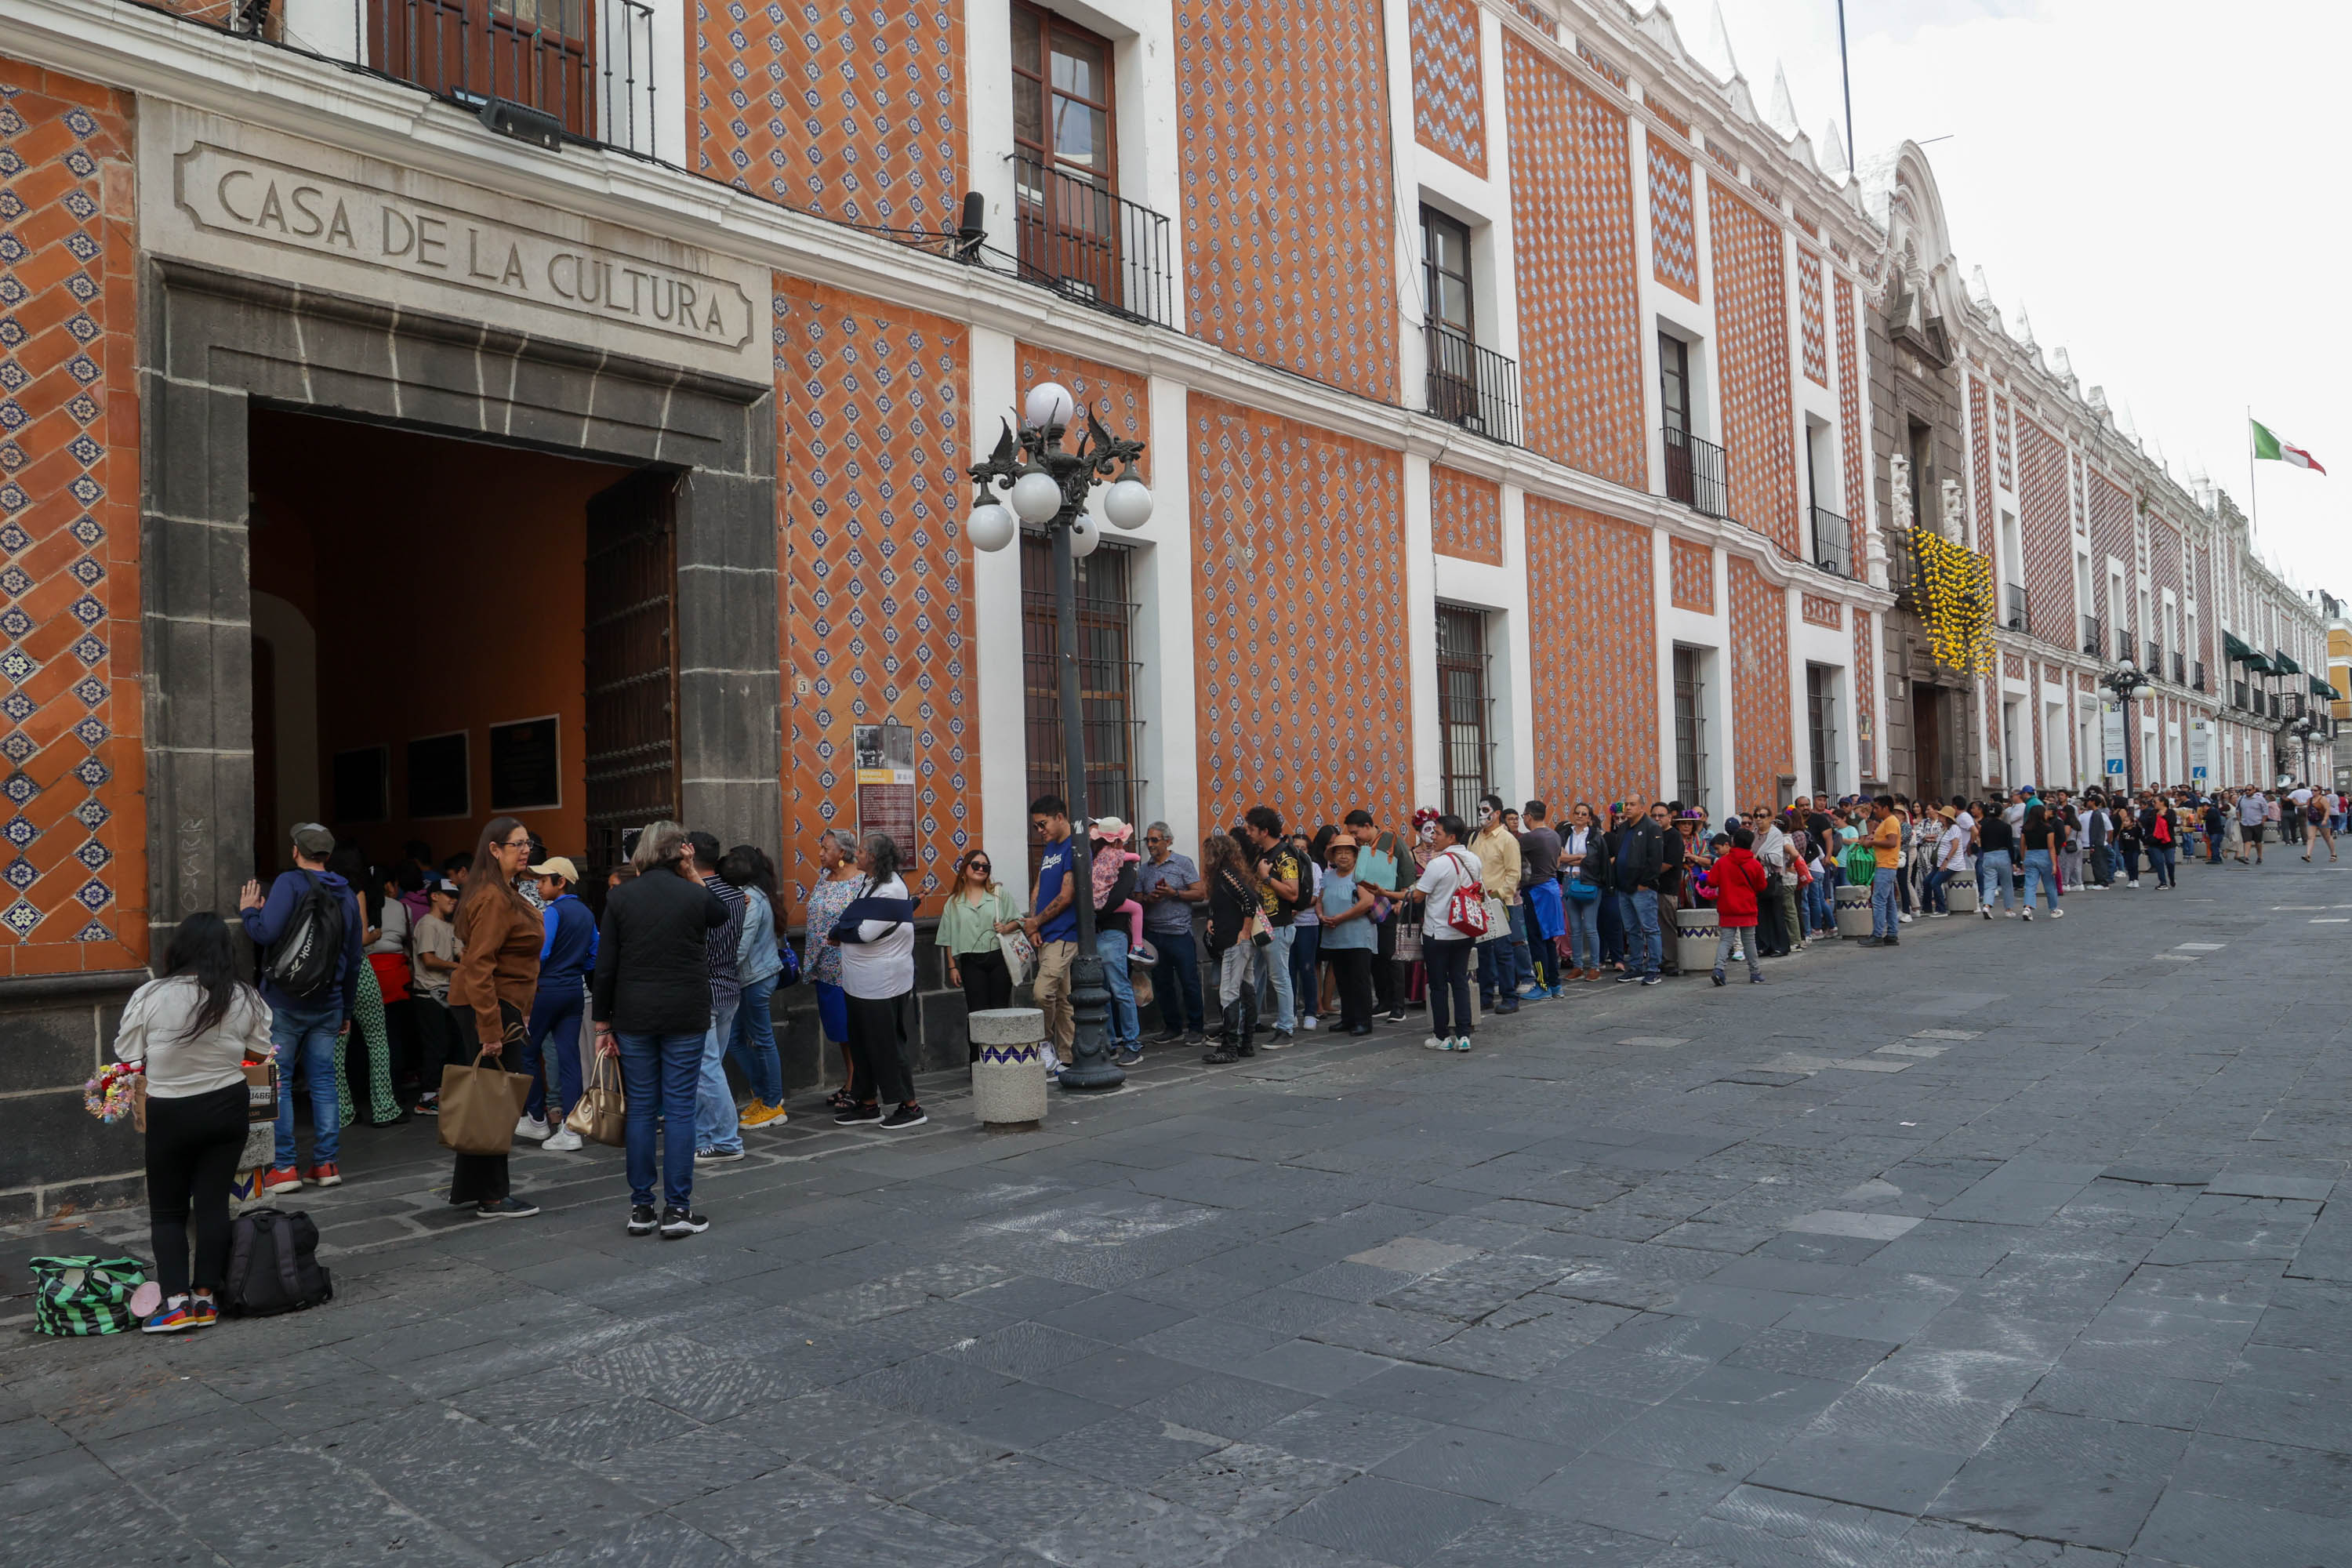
{"x":1497,"y":848}
{"x":1885,"y":837}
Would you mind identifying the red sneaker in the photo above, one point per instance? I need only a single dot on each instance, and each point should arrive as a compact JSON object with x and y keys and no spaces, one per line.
{"x":324,"y":1175}
{"x":281,"y":1178}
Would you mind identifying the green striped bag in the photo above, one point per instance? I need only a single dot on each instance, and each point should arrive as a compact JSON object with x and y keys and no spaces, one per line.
{"x":85,"y":1295}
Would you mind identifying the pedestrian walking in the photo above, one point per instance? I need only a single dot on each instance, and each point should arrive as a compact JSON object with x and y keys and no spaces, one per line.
{"x":1349,"y":941}
{"x":2040,"y":837}
{"x":567,"y":952}
{"x":653,"y":1014}
{"x":1738,"y":879}
{"x":306,"y":1028}
{"x":1996,"y":849}
{"x":758,"y":968}
{"x":491,"y":992}
{"x":190,"y":1033}
{"x":1236,"y":916}
{"x":1170,"y":888}
{"x":973,"y":919}
{"x":836,"y":884}
{"x":2161,"y":833}
{"x":717,"y":1129}
{"x":1445,"y":946}
{"x":877,"y":934}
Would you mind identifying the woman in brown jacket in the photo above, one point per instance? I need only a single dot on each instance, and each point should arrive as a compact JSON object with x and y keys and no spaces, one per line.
{"x":490,"y":992}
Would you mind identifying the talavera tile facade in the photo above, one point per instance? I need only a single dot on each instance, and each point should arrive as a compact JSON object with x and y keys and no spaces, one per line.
{"x":1751,"y":306}
{"x":1466,"y":515}
{"x":1596,"y":726}
{"x":1449,"y":81}
{"x":1759,"y":686}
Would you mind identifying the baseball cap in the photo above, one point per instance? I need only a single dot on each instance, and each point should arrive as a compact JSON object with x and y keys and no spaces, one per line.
{"x":442,"y":885}
{"x":313,"y":839}
{"x":557,"y":866}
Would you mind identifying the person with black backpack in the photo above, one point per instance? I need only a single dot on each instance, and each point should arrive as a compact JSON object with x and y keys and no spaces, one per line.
{"x":308,"y":931}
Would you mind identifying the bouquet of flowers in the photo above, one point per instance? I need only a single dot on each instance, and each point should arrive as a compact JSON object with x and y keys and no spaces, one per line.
{"x":109,"y":1096}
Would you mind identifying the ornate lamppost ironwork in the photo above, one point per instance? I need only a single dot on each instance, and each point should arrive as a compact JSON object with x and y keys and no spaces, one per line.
{"x":2125,"y":680}
{"x":1047,"y":484}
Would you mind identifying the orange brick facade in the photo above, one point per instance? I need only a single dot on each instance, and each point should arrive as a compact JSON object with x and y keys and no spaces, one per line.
{"x":1449,"y":81}
{"x":1752,"y":319}
{"x":1690,"y":576}
{"x":1596,"y":726}
{"x":73,"y":820}
{"x":1759,"y":686}
{"x":1466,"y":515}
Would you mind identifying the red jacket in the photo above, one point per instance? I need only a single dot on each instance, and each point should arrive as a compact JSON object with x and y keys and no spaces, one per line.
{"x":1738,"y":878}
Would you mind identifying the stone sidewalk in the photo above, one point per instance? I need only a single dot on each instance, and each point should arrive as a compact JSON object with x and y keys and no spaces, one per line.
{"x":2015,"y":1246}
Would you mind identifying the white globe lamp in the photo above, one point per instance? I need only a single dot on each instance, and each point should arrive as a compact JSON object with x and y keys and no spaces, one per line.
{"x":1049,"y":405}
{"x":1084,"y":534}
{"x":1128,"y":503}
{"x":991,"y":527}
{"x":1036,"y":496}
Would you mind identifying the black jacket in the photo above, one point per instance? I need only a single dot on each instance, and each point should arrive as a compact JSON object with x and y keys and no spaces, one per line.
{"x":652,"y":963}
{"x":1641,"y":856}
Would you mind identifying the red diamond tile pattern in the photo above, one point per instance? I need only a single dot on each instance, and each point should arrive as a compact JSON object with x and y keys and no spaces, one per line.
{"x":1866,"y":699}
{"x":1449,"y":81}
{"x":1270,"y":582}
{"x":1288,"y":214}
{"x":1120,"y":398}
{"x":1820,"y":612}
{"x":2000,"y":446}
{"x":1596,"y":731}
{"x":855,"y":112}
{"x":2049,"y":543}
{"x":1674,"y":234}
{"x":1849,"y":439}
{"x":1690,"y":575}
{"x":1759,"y":685}
{"x":1980,"y":470}
{"x":1810,"y":326}
{"x":1580,"y":311}
{"x":73,"y":864}
{"x":871,"y":419}
{"x":1466,"y":515}
{"x":1751,"y":307}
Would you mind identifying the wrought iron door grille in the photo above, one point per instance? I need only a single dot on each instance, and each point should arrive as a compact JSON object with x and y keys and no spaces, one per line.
{"x":1464,"y":708}
{"x":1105,"y":680}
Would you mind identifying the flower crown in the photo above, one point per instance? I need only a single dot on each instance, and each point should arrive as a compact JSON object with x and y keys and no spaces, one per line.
{"x":1424,"y":817}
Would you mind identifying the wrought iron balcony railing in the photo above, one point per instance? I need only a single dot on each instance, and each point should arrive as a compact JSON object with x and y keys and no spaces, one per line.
{"x":2154,"y":664}
{"x":2238,"y":695}
{"x":1080,"y":238}
{"x":2180,"y":669}
{"x":2014,"y":608}
{"x":1472,"y":386}
{"x":1695,"y":474}
{"x":2094,"y":636}
{"x":2197,"y":680}
{"x":2125,"y":646}
{"x":581,"y":70}
{"x":1833,"y":542}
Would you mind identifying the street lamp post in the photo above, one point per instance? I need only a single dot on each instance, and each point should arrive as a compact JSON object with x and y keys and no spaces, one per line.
{"x":2302,"y":729}
{"x":2125,"y":679}
{"x":1047,"y":484}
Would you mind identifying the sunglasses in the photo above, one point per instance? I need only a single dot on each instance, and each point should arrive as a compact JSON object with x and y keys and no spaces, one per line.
{"x":981,"y":866}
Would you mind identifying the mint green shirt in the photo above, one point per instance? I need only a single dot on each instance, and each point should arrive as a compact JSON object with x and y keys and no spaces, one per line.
{"x":967,"y":927}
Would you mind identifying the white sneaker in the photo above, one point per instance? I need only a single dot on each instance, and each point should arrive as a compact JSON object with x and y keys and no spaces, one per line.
{"x":2135,"y":882}
{"x":2029,"y":914}
{"x":1905,"y":918}
{"x":532,"y":1128}
{"x":1307,"y":1022}
{"x":2057,"y":914}
{"x":564,"y":1141}
{"x":1434,"y":1044}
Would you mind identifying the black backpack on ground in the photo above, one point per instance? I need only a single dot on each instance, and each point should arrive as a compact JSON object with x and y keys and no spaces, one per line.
{"x":308,"y":957}
{"x":273,"y":1265}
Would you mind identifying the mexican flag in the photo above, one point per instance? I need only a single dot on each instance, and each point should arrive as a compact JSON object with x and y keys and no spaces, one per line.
{"x":2266,"y":445}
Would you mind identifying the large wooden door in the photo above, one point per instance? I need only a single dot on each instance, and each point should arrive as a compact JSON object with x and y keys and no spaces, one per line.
{"x":632,"y":752}
{"x":541,"y":53}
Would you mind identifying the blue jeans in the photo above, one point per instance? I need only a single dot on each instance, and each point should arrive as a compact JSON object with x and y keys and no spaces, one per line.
{"x":658,"y":1074}
{"x":1523,"y":960}
{"x":1273,"y":971}
{"x":1177,"y":979}
{"x":1821,"y":907}
{"x":554,"y":1023}
{"x":2039,"y":868}
{"x":1882,"y":903}
{"x":1110,"y":946}
{"x":1992,"y":880}
{"x":1583,"y":932}
{"x":1305,"y":985}
{"x":307,"y":1035}
{"x":752,"y":1042}
{"x":715,"y":1126}
{"x":1639,"y":911}
{"x":2160,"y":861}
{"x":1931,"y":897}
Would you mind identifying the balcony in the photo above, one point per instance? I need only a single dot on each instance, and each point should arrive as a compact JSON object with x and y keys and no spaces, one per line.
{"x":2155,"y":663}
{"x":2094,"y":636}
{"x":1695,"y":474}
{"x":2013,"y":608}
{"x":1081,"y":240}
{"x":581,"y":70}
{"x":2197,"y":680}
{"x":2179,"y":669}
{"x":1833,"y":542}
{"x":2124,"y":643}
{"x":1471,"y":387}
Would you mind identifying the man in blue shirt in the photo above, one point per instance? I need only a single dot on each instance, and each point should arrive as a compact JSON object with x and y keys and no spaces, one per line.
{"x":717,"y":1129}
{"x":565,"y":958}
{"x":1054,"y":925}
{"x":305,"y":1029}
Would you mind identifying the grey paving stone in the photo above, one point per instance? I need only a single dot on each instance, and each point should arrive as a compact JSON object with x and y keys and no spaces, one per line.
{"x":1839,"y":1358}
{"x":2116,"y":1397}
{"x":1387,"y":1521}
{"x":1867,"y":1471}
{"x":1756,"y":1527}
{"x":1514,"y":1537}
{"x":1652,"y":1500}
{"x":1012,"y":1499}
{"x":1475,"y":1463}
{"x":1132,"y":1529}
{"x":2191,"y":1527}
{"x":2065,"y":1477}
{"x":1688,"y":1438}
{"x":1228,"y":1405}
{"x":1249,"y":1483}
{"x":1429,"y":1393}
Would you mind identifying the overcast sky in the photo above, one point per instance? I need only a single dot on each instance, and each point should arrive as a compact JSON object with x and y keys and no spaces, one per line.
{"x":2159,"y":183}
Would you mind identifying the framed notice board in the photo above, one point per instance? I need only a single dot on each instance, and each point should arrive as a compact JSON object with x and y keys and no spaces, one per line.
{"x":437,"y":782}
{"x":527,"y":765}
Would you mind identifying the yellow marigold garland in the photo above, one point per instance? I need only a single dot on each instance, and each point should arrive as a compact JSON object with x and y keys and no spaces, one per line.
{"x":1956,"y":601}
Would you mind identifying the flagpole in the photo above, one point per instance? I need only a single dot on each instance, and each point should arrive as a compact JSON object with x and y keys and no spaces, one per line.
{"x":2253,"y":496}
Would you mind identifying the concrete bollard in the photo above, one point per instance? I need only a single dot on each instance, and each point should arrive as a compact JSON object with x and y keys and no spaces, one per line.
{"x":1961,"y":892}
{"x":1695,"y":940}
{"x":1008,"y":1081}
{"x":1853,"y":910}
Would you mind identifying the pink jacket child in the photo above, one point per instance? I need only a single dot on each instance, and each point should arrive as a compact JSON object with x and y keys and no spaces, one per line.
{"x":1107,"y":856}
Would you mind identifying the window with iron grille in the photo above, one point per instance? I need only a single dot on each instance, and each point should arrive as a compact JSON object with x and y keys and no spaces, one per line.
{"x":1821,"y":725}
{"x":1464,"y":708}
{"x":1105,"y":680}
{"x":1690,"y":727}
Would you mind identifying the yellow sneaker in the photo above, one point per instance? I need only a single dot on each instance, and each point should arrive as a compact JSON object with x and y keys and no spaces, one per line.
{"x":759,"y":1114}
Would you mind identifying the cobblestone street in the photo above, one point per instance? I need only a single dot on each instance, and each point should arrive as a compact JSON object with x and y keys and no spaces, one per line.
{"x":2015,"y":1246}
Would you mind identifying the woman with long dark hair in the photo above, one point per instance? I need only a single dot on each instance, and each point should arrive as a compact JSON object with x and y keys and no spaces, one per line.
{"x":876,"y":934}
{"x":759,"y":963}
{"x":828,"y":894}
{"x":491,"y":992}
{"x":1234,"y":896}
{"x":367,"y":1006}
{"x":193,"y":1031}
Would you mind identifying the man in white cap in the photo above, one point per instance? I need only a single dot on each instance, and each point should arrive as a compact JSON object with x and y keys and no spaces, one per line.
{"x":566,"y":957}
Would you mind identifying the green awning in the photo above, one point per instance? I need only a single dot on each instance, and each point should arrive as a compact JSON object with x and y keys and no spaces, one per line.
{"x":2284,"y":665}
{"x":2321,"y":689}
{"x":2256,"y":663}
{"x":2236,"y":649}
